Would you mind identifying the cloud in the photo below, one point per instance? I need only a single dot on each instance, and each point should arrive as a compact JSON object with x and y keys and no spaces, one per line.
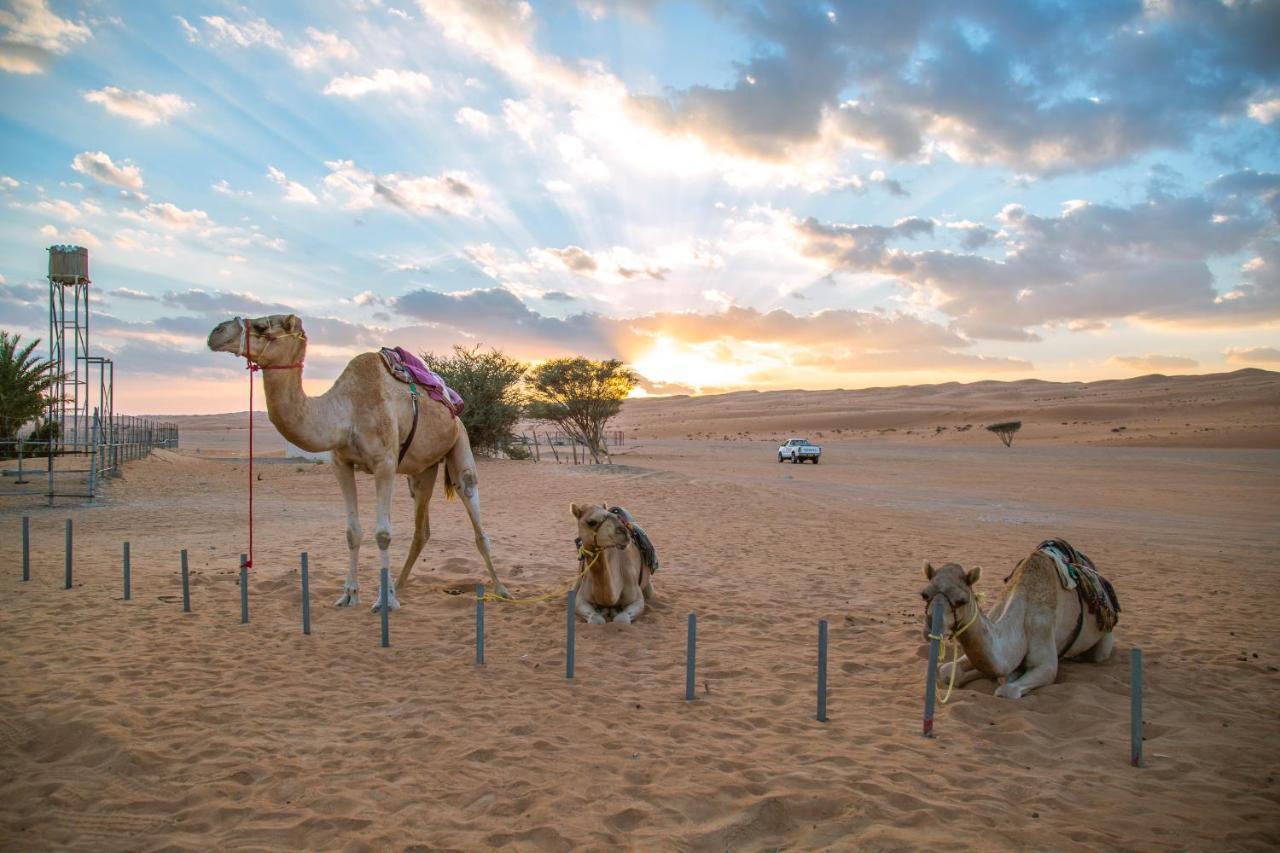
{"x":1253,"y":355}
{"x":1265,"y":111}
{"x":294,"y":191}
{"x":322,"y":47}
{"x":33,"y":36}
{"x":575,"y":259}
{"x":453,"y":193}
{"x":100,"y":166}
{"x":172,"y":216}
{"x":130,"y":293}
{"x":191,"y":33}
{"x":7,"y":183}
{"x":1154,"y":363}
{"x":139,"y":105}
{"x":382,"y":81}
{"x":254,"y":31}
{"x":474,"y":120}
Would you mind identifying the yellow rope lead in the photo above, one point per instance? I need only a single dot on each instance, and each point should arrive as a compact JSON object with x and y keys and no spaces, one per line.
{"x":954,"y":641}
{"x":588,"y":559}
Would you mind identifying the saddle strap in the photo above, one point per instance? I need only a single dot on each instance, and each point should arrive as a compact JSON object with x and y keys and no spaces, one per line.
{"x":413,"y":428}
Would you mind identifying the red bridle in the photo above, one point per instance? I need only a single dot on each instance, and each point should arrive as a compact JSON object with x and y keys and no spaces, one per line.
{"x":270,"y":339}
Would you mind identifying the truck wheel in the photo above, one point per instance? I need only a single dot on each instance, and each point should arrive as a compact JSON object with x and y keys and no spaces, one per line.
{"x":779,"y":457}
{"x":815,"y":460}
{"x":794,"y":459}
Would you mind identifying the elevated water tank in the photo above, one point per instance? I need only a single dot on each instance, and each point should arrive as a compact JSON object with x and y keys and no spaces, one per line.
{"x":69,"y":264}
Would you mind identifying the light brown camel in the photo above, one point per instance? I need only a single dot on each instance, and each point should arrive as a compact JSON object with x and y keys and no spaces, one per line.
{"x":362,"y":420}
{"x":1035,"y":622}
{"x":617,"y":581}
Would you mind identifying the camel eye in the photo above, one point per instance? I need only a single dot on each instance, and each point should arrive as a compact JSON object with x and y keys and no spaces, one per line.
{"x":925,"y":596}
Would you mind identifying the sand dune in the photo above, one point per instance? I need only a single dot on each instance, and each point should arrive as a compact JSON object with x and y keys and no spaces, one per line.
{"x":131,"y":726}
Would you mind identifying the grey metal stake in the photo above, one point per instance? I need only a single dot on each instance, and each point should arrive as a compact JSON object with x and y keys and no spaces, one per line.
{"x":306,"y":597}
{"x":126,"y":571}
{"x":244,"y":589}
{"x":67,"y":571}
{"x":1135,"y":707}
{"x":386,"y":611}
{"x":690,"y":657}
{"x":26,"y":548}
{"x":186,"y":584}
{"x":570,"y":630}
{"x":931,"y":680}
{"x":822,"y":670}
{"x":479,"y":624}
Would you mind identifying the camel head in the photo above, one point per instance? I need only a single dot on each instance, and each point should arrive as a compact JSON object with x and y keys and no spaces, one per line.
{"x":955,"y":585}
{"x":599,"y":528}
{"x":274,"y":340}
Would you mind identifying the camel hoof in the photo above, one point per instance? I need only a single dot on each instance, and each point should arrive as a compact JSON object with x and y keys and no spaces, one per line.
{"x":1009,"y":691}
{"x":623,"y":618}
{"x":501,"y":591}
{"x":595,"y":619}
{"x":393,"y":603}
{"x":347,"y":599}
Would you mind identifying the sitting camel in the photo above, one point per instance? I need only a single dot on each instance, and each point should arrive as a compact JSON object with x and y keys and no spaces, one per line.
{"x":618,"y":574}
{"x":1037,"y":620}
{"x":371,"y":423}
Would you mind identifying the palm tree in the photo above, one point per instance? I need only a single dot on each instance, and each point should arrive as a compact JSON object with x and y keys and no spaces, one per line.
{"x":25,"y":382}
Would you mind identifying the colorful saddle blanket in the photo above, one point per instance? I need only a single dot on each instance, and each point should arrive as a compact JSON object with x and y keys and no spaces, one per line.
{"x":1077,"y":571}
{"x":648,"y":553}
{"x":407,"y":367}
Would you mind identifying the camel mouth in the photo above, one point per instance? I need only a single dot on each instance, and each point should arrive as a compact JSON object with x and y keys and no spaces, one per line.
{"x":225,"y":337}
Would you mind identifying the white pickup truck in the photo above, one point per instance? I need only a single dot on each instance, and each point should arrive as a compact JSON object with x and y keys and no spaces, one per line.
{"x":799,"y":450}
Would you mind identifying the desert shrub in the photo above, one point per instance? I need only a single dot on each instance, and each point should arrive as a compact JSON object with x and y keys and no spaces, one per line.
{"x":1005,"y":430}
{"x":579,"y":396}
{"x":489,"y":385}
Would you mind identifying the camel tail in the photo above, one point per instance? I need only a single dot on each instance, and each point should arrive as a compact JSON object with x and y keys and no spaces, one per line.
{"x":450,"y":490}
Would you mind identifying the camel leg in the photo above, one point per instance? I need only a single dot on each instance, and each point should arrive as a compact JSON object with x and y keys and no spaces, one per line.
{"x":589,"y":611}
{"x":384,"y":482}
{"x":420,"y":486}
{"x":1101,"y":650}
{"x":967,"y":672}
{"x":462,"y":468}
{"x":630,"y":612}
{"x":347,"y":483}
{"x":1041,"y":664}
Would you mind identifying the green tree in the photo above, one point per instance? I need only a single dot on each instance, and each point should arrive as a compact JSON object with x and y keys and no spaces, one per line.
{"x":489,"y":385}
{"x":579,"y":396}
{"x":25,"y":382}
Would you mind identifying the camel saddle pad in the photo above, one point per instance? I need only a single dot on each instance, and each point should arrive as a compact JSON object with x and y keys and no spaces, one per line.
{"x":1077,"y":571}
{"x":407,"y":367}
{"x":647,"y":552}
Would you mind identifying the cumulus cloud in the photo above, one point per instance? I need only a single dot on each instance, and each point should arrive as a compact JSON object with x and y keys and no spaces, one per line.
{"x":1253,"y":355}
{"x":321,"y":47}
{"x":382,"y":81}
{"x":293,"y":191}
{"x":474,"y":120}
{"x":1154,"y":363}
{"x":100,"y":166}
{"x":172,"y":216}
{"x":138,"y":105}
{"x":453,"y":193}
{"x":33,"y":36}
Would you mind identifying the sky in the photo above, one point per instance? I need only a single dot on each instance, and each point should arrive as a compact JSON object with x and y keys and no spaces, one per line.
{"x":725,"y":195}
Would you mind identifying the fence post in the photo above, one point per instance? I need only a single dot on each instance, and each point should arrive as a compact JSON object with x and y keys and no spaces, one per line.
{"x":244,"y":588}
{"x":479,"y":624}
{"x":385,"y":610}
{"x":570,"y":629}
{"x":822,"y":670}
{"x":691,"y":657}
{"x":186,"y":584}
{"x":126,"y":571}
{"x":931,"y":679}
{"x":1135,"y":707}
{"x":26,"y":548}
{"x":306,"y":597}
{"x":67,"y":571}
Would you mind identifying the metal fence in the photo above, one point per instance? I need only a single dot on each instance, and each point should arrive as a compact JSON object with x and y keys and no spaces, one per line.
{"x":37,"y":461}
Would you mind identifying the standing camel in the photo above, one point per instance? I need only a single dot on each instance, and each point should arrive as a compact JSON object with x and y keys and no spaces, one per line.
{"x":364,"y":420}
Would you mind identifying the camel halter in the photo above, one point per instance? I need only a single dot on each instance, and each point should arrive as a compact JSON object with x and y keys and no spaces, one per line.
{"x":253,"y":368}
{"x":588,"y":556}
{"x":953,"y":639}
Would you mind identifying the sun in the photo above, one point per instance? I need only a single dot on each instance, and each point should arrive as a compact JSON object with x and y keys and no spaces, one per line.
{"x":705,"y":365}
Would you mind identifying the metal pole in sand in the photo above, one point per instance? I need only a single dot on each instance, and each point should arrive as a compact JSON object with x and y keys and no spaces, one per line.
{"x":67,"y":571}
{"x":186,"y":584}
{"x":479,"y":624}
{"x":931,"y":680}
{"x":1135,"y":707}
{"x":244,"y":589}
{"x":822,"y":670}
{"x":385,"y":611}
{"x":690,"y":657}
{"x":570,"y":628}
{"x":306,"y":597}
{"x":126,"y":571}
{"x":26,"y":548}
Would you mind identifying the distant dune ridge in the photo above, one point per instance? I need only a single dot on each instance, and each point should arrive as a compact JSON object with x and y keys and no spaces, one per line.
{"x":1237,"y":409}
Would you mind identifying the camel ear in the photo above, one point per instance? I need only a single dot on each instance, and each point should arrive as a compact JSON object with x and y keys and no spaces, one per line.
{"x":292,"y":323}
{"x":972,"y":577}
{"x":928,"y":570}
{"x":577,"y":510}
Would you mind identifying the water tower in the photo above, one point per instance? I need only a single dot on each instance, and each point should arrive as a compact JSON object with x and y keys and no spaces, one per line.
{"x":82,"y":401}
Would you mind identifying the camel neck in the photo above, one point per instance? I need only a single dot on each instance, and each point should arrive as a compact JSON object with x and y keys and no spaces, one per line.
{"x":606,"y":577}
{"x":996,"y":646}
{"x":302,"y":420}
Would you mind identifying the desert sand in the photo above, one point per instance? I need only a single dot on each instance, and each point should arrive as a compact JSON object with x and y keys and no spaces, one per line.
{"x":133,"y":726}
